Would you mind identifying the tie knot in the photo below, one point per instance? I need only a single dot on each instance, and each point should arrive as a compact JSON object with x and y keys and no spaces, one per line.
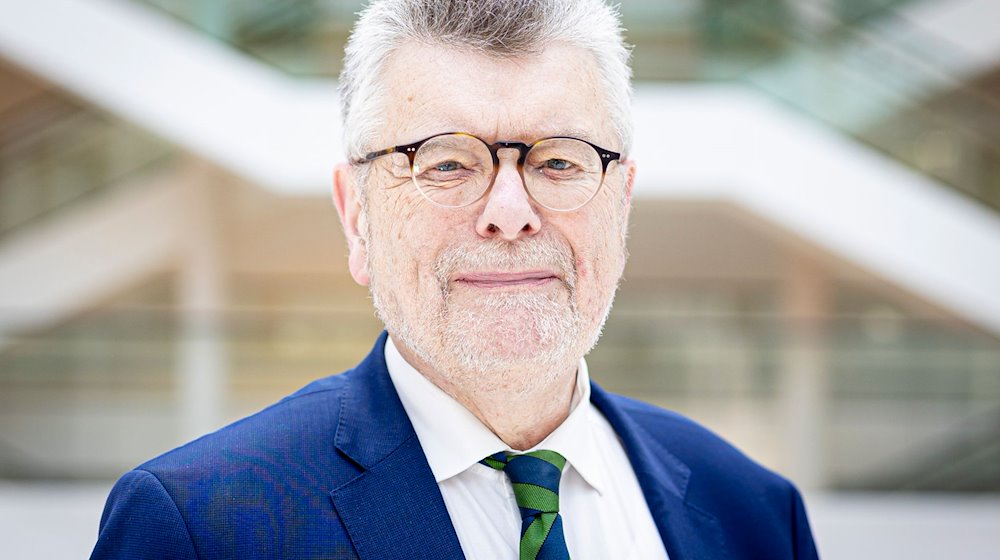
{"x":535,"y":477}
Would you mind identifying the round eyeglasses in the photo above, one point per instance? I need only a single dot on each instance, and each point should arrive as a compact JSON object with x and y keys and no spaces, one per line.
{"x":455,"y":169}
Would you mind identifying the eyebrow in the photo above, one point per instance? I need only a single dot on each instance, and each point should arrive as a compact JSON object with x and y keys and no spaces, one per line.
{"x":573,"y":132}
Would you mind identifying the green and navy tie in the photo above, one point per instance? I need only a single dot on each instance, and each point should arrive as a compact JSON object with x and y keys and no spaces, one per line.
{"x":535,"y":477}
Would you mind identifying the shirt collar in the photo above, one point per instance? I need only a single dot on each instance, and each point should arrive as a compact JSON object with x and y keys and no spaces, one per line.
{"x":454,"y":440}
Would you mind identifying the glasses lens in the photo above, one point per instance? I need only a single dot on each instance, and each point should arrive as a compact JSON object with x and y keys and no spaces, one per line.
{"x":563,"y":173}
{"x":453,"y":169}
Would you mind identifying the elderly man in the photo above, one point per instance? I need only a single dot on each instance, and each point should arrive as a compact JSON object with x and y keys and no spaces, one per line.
{"x":486,"y":205}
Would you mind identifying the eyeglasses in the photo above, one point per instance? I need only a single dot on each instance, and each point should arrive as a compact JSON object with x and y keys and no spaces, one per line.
{"x":456,"y":169}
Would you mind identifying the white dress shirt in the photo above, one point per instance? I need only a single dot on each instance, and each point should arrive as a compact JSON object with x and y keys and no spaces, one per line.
{"x":604,"y":512}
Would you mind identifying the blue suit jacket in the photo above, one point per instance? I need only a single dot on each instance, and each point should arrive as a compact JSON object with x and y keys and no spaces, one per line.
{"x":336,"y":471}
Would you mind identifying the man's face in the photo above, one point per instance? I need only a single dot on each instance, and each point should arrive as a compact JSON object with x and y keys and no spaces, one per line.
{"x":502,"y":286}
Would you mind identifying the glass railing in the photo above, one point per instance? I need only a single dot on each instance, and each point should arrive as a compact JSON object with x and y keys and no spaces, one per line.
{"x":743,"y":357}
{"x":55,"y":153}
{"x":895,"y":87}
{"x":301,"y":37}
{"x":852,"y":64}
{"x":894,"y":372}
{"x":306,"y":37}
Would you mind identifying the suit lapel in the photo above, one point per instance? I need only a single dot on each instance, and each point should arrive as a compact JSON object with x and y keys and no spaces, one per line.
{"x":393,"y":508}
{"x":688,"y":532}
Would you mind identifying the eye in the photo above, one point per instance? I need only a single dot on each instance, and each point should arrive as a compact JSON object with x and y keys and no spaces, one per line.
{"x":558,"y":164}
{"x":446,"y":166}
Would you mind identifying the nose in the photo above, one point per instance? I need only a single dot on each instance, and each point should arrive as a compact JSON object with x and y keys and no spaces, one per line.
{"x":508,"y":214}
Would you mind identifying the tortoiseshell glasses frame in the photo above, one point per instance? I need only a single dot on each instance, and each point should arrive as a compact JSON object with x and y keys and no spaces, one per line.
{"x":603,"y":155}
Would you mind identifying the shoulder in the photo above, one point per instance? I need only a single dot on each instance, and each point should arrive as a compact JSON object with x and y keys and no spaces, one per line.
{"x":234,"y":493}
{"x":689,"y":441}
{"x":757,"y":508}
{"x":138,"y":495}
{"x":716,"y":472}
{"x":290,"y":427}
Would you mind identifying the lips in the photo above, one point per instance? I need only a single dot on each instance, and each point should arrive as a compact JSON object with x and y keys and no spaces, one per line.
{"x":506,"y":279}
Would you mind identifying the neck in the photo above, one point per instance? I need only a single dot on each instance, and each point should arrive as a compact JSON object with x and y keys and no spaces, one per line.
{"x":521,"y":415}
{"x":523,"y":420}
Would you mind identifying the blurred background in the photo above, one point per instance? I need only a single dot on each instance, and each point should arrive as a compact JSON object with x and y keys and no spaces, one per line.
{"x":815,"y":267}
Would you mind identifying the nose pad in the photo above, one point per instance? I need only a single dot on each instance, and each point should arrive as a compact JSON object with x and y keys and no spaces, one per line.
{"x":508,"y":213}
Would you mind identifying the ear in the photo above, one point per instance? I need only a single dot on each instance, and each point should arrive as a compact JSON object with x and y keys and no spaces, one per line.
{"x":345,"y":198}
{"x":628,"y":166}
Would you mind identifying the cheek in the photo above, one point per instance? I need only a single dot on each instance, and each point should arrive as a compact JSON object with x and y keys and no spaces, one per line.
{"x":412,"y":235}
{"x":395,"y":215}
{"x":600,"y":257}
{"x":599,"y":242}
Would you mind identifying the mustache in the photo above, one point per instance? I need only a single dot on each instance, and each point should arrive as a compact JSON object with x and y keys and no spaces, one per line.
{"x":505,"y":256}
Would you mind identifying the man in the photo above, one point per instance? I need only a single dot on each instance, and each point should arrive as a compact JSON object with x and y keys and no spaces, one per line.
{"x":486,"y":205}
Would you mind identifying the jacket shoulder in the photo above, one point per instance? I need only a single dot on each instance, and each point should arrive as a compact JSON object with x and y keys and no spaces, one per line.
{"x":758,"y":509}
{"x":138,"y":495}
{"x":257,"y":488}
{"x":694,"y":444}
{"x":289,"y":427}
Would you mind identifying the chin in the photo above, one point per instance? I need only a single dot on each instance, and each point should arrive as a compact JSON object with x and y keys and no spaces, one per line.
{"x":483,"y":354}
{"x":511,"y":341}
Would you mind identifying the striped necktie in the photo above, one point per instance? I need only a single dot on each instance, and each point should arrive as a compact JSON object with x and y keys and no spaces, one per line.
{"x":535,"y":477}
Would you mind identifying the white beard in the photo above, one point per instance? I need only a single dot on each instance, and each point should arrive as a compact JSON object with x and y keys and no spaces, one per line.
{"x":509,"y":340}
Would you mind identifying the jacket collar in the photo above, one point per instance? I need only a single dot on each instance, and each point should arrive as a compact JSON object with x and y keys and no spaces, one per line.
{"x":688,"y":532}
{"x":392,"y":508}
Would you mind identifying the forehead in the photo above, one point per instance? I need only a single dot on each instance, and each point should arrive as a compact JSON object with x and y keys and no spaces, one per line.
{"x":433,"y":88}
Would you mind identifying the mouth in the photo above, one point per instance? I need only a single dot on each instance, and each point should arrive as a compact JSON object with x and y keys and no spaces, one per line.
{"x":494,"y":280}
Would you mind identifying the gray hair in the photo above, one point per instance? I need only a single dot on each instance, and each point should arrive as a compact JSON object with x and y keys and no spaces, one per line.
{"x":500,"y":28}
